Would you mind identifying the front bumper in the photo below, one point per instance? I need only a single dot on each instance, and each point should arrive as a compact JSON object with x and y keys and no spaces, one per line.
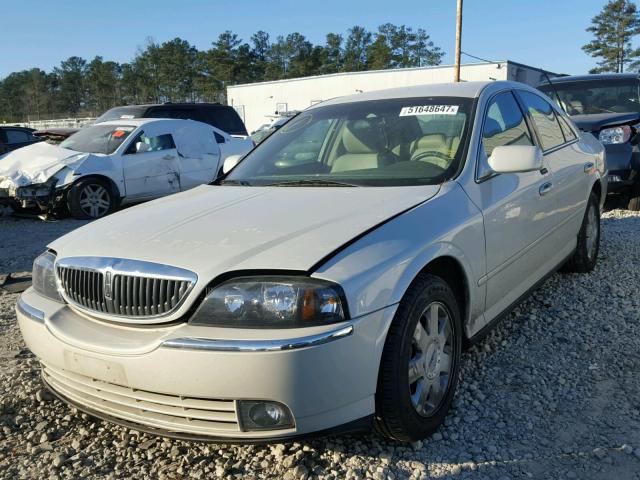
{"x":186,"y":381}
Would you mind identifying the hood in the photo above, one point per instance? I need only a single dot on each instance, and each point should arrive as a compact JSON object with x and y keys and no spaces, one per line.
{"x":35,"y":163}
{"x":211,"y":230}
{"x":597,"y":121}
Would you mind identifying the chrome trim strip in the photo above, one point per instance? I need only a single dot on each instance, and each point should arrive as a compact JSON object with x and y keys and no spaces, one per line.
{"x":28,"y":311}
{"x":213,"y":345}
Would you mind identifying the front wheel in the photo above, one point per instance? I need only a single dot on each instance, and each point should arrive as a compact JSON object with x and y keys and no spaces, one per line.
{"x":420,"y":362}
{"x":585,"y":256}
{"x":90,"y":198}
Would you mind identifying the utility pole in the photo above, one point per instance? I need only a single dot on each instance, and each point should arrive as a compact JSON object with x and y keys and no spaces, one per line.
{"x":456,"y":68}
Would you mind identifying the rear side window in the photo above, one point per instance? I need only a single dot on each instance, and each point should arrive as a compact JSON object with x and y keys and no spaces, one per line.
{"x":17,"y":136}
{"x":504,"y":124}
{"x":545,"y":120}
{"x":567,"y":131}
{"x":219,"y":116}
{"x":226,"y":119}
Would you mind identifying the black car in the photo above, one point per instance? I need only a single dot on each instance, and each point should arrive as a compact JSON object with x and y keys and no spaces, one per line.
{"x":607,"y":106}
{"x":220,"y":116}
{"x":12,"y":138}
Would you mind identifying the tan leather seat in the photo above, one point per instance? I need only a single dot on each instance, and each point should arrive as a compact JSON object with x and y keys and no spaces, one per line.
{"x":435,"y":142}
{"x":576,"y":107}
{"x":365,"y":145}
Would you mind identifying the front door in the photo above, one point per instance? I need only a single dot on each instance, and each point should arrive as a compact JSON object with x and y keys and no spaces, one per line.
{"x":151,"y":167}
{"x":565,"y":159}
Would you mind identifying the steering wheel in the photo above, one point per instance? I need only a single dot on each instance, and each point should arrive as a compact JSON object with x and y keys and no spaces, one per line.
{"x":431,"y":153}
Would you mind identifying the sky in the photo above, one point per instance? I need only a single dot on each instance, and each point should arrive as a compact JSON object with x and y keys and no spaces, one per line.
{"x":541,"y":33}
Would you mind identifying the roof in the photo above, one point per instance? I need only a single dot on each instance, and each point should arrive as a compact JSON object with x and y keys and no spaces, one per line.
{"x":462,"y":89}
{"x":138,"y":122}
{"x":170,"y":104}
{"x":592,"y":77}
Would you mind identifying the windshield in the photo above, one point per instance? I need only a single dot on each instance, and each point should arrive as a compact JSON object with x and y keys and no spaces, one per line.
{"x":98,"y":138}
{"x":119,"y":113}
{"x":597,"y":96}
{"x":407,"y":141}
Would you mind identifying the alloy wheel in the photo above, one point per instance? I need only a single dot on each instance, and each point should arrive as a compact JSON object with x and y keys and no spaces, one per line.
{"x":431,"y":361}
{"x":95,"y":200}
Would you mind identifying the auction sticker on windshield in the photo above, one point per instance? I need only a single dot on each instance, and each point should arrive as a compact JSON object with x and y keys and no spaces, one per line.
{"x":429,"y":110}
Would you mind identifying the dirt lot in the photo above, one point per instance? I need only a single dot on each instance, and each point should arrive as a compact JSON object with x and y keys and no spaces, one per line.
{"x":553,"y":392}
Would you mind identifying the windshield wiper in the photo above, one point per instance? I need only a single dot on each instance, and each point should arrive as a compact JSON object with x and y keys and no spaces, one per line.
{"x":243,"y":183}
{"x":314,"y":183}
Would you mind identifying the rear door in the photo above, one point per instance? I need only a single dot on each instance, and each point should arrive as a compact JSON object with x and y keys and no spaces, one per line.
{"x":151,"y":166}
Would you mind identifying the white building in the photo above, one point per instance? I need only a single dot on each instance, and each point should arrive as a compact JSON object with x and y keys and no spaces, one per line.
{"x":259,"y":103}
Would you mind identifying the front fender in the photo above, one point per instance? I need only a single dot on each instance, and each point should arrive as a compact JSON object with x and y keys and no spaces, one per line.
{"x":376,"y":270}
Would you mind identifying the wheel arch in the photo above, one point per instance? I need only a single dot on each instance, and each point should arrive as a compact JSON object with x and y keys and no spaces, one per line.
{"x":114,"y":187}
{"x":449,"y":263}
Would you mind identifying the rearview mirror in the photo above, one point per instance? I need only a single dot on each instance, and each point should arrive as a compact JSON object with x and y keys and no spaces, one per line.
{"x":516,"y":158}
{"x":230,"y":162}
{"x":142,"y":147}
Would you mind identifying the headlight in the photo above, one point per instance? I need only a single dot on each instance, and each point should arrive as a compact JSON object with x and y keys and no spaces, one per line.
{"x":272,"y":302}
{"x":44,"y":276}
{"x":615,"y":135}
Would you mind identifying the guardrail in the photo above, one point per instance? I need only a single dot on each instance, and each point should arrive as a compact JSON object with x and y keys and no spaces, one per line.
{"x":57,"y":123}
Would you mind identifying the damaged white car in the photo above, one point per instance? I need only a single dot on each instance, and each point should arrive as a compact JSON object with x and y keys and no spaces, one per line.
{"x":106,"y":165}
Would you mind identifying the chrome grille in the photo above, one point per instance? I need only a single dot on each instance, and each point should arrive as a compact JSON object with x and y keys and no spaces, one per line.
{"x":112,"y":287}
{"x":84,"y":287}
{"x":143,"y":296}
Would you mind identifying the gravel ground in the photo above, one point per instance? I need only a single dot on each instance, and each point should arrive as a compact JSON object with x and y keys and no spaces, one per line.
{"x":553,"y":392}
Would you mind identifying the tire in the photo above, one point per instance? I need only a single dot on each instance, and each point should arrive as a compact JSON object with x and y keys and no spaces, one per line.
{"x":634,"y":204}
{"x":586,"y":254}
{"x":90,"y":198}
{"x":400,"y":413}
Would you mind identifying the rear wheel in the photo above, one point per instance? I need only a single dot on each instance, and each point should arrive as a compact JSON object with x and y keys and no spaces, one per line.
{"x":90,"y":198}
{"x":586,"y":254}
{"x":420,"y":362}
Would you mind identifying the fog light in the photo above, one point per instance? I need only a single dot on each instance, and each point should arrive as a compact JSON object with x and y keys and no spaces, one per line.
{"x":262,"y":415}
{"x":614,"y":178}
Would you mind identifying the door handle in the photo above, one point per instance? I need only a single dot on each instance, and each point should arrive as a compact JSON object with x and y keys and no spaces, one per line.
{"x":545,"y":188}
{"x":168,"y":157}
{"x":589,"y":167}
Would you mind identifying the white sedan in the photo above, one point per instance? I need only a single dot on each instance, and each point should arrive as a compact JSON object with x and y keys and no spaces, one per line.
{"x":331,"y":280}
{"x":113,"y":163}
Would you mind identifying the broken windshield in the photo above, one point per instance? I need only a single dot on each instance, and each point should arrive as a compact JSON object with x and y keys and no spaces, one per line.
{"x":103,"y":139}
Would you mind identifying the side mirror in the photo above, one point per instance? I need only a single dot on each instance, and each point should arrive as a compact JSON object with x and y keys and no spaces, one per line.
{"x":516,"y":158}
{"x":230,"y":162}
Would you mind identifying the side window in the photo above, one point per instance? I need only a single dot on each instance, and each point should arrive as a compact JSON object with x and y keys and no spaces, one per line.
{"x":142,"y":143}
{"x":567,"y":131}
{"x":17,"y":136}
{"x":504,"y":124}
{"x":219,"y":138}
{"x":544,"y":119}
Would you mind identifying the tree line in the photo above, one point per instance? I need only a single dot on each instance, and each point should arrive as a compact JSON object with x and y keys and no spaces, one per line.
{"x":176,"y":71}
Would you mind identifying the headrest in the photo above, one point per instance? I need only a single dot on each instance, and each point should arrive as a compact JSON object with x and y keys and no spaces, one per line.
{"x":435,"y":141}
{"x":363,"y":136}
